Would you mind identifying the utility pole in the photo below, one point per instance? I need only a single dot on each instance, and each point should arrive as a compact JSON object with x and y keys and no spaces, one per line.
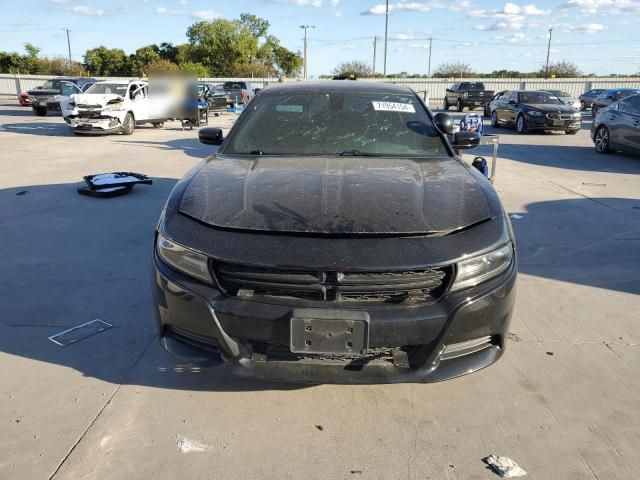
{"x":429,"y":68}
{"x":546,"y":69}
{"x":304,"y":61}
{"x":375,"y":44}
{"x":386,"y":29}
{"x":68,"y":44}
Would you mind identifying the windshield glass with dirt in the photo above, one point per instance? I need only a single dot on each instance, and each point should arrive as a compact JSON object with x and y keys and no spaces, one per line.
{"x":539,"y":98}
{"x":108,"y":89}
{"x":336,"y":123}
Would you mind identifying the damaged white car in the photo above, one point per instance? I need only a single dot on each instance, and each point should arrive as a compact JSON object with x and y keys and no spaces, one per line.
{"x":113,"y":106}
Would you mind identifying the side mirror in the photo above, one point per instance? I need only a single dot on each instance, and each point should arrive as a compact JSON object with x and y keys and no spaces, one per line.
{"x":210,"y":136}
{"x":444,"y":122}
{"x":463,"y":140}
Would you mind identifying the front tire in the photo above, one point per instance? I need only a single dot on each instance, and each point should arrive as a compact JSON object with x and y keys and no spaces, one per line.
{"x":445,"y":104}
{"x":521,"y":125}
{"x":601,"y":140}
{"x":128,"y":124}
{"x":40,"y":112}
{"x":460,"y":106}
{"x":494,"y":120}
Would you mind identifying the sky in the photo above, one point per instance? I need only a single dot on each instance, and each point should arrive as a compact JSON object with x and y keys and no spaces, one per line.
{"x":600,"y":36}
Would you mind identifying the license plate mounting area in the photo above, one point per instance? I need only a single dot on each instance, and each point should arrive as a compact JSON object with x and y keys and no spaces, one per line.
{"x":334,"y":332}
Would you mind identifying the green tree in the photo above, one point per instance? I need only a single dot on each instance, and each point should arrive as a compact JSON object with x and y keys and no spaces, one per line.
{"x":453,"y":70}
{"x":256,"y":25}
{"x":221,"y":45}
{"x":561,"y":69}
{"x":194,"y":69}
{"x":355,"y":68}
{"x":107,"y":61}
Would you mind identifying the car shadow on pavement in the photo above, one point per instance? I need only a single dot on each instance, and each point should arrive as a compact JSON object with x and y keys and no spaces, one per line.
{"x":20,"y":112}
{"x":67,"y":259}
{"x":189,"y":146}
{"x":45,"y":128}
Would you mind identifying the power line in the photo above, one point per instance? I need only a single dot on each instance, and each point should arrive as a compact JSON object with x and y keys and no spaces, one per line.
{"x":305,"y":27}
{"x":68,"y":44}
{"x":386,"y":30}
{"x":546,"y":68}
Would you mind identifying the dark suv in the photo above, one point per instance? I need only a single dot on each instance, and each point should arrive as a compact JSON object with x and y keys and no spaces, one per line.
{"x":47,"y":97}
{"x":609,"y":96}
{"x":336,"y":237}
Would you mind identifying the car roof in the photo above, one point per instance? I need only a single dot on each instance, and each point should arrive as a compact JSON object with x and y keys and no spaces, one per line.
{"x":626,"y":89}
{"x":336,"y":86}
{"x":119,"y":82}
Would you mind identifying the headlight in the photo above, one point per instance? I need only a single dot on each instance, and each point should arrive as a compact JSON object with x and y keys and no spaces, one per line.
{"x":533,"y":113}
{"x":577,"y":115}
{"x":476,"y":270}
{"x":183,"y":259}
{"x":113,"y":106}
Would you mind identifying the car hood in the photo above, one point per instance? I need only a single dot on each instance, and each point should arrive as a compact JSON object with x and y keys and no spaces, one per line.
{"x":335,"y":195}
{"x":543,"y":107}
{"x":41,"y":92}
{"x":95,"y":98}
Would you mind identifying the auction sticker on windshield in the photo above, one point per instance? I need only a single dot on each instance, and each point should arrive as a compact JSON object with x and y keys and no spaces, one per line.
{"x":393,"y":107}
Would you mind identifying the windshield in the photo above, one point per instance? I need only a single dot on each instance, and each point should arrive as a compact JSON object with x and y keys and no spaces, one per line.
{"x":108,"y":88}
{"x":336,"y":123}
{"x":235,"y":85}
{"x":539,"y":98}
{"x":51,"y":85}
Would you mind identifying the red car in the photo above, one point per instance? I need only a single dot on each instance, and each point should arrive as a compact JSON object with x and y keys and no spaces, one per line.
{"x":24,"y":99}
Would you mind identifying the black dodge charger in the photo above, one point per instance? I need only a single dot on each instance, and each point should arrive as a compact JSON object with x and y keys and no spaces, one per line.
{"x":529,"y":110}
{"x":336,"y":237}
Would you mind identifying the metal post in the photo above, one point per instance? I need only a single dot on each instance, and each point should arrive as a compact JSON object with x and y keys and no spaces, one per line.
{"x":69,"y":46}
{"x":375,"y":41}
{"x":386,"y":29}
{"x":546,"y":69}
{"x":429,"y":69}
{"x":304,"y":61}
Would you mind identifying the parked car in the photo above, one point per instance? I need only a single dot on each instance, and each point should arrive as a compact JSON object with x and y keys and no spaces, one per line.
{"x":327,"y":241}
{"x":214,"y":95}
{"x":24,"y":100}
{"x":48,"y":96}
{"x":566,"y":98}
{"x":490,"y":106}
{"x":586,"y":99}
{"x":238,"y":92}
{"x":617,"y":127}
{"x":610,"y":96}
{"x":535,"y":110}
{"x":113,"y":106}
{"x":467,"y":94}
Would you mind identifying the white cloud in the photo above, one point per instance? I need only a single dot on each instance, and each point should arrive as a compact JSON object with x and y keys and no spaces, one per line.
{"x":337,"y":13}
{"x":166,"y":11}
{"x":206,"y":15}
{"x":590,"y":7}
{"x":91,"y":12}
{"x":183,"y":2}
{"x":335,"y":3}
{"x":509,"y":17}
{"x":515,"y":38}
{"x":402,"y":7}
{"x":303,"y":3}
{"x":587,"y":28}
{"x":60,"y":2}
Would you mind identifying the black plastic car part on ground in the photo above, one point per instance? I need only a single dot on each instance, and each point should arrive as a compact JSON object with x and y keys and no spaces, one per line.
{"x":336,"y":238}
{"x":617,"y":127}
{"x":529,"y":110}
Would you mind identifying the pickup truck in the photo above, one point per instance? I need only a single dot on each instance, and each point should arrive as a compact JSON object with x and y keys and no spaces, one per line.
{"x":467,"y":94}
{"x":48,"y":96}
{"x":240,"y":92}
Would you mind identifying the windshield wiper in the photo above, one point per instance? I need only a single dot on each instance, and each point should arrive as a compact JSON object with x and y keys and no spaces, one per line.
{"x":356,"y":153}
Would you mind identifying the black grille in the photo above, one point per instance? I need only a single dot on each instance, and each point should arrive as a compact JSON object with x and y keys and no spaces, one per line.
{"x":423,"y":285}
{"x":559,"y":116}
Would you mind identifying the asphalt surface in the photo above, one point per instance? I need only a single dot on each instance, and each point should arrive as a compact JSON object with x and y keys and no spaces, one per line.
{"x":563,"y":402}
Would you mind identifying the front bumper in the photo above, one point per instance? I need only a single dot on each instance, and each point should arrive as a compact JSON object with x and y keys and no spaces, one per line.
{"x":461,"y":333}
{"x":544,"y":123}
{"x":103,"y":124}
